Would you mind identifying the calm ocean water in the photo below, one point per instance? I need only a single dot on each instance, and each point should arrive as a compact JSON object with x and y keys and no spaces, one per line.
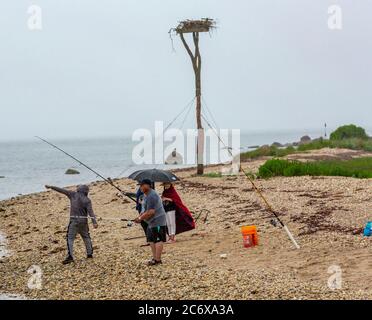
{"x":27,"y":166}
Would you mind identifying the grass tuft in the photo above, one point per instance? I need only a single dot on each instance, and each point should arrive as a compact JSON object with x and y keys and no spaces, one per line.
{"x":212,"y":175}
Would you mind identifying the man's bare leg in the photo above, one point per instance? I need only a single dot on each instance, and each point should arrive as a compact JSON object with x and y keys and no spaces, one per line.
{"x":153,"y":249}
{"x":158,"y":251}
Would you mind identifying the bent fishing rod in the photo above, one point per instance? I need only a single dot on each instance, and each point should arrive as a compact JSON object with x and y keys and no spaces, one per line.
{"x":108,"y":180}
{"x":256,"y":189}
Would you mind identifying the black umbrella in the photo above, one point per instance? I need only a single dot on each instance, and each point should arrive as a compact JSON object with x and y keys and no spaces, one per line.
{"x":155,"y":175}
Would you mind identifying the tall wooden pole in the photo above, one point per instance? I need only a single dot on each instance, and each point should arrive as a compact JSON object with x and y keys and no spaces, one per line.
{"x":196,"y":63}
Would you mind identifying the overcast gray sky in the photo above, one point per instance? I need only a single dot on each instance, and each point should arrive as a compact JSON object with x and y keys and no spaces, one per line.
{"x":107,"y":67}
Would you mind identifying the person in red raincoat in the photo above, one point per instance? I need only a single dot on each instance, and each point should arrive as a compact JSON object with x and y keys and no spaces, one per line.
{"x":179,"y":218}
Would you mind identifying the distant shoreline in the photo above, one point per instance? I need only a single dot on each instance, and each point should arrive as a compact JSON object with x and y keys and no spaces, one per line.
{"x":20,"y":179}
{"x":279,"y":131}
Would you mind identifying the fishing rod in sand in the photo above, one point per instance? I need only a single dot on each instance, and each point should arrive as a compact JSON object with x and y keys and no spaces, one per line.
{"x":108,"y":180}
{"x":258,"y":191}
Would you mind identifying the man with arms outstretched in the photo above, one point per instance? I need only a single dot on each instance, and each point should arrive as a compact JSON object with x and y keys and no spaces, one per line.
{"x":80,"y":210}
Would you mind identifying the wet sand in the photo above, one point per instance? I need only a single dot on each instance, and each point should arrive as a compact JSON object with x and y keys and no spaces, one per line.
{"x":325,"y":214}
{"x":10,"y":297}
{"x":3,"y":250}
{"x":4,"y":253}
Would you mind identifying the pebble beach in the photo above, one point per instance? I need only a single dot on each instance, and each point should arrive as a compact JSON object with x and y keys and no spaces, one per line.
{"x":325,"y":214}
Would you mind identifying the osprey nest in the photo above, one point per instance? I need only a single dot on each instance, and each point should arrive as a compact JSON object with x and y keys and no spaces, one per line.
{"x":189,"y":26}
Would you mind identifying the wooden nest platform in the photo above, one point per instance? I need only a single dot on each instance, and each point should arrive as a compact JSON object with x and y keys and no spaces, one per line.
{"x":190,"y":26}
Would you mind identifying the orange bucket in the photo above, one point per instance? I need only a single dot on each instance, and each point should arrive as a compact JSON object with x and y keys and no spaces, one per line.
{"x":250,"y":236}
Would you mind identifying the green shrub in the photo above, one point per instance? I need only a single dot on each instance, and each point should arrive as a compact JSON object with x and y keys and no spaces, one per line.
{"x":266,"y":151}
{"x":212,"y":175}
{"x":358,"y":168}
{"x":353,"y":144}
{"x":314,"y":145}
{"x":348,"y":132}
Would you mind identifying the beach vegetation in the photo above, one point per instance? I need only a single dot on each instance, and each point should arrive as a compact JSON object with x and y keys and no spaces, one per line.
{"x":212,"y":175}
{"x":345,"y":137}
{"x":273,"y":151}
{"x":267,"y":151}
{"x":357,"y":168}
{"x":350,"y":131}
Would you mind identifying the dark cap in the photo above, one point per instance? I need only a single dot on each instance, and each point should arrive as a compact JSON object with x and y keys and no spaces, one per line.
{"x":145,"y":181}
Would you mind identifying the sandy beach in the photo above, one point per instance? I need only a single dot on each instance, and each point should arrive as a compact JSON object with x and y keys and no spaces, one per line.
{"x":4,"y":253}
{"x":326,"y":215}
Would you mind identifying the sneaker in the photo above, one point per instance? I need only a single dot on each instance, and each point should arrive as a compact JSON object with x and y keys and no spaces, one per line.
{"x":153,"y":262}
{"x":89,"y":256}
{"x":68,"y":260}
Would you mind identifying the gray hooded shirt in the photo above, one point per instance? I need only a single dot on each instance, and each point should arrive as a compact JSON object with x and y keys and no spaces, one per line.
{"x":80,"y":204}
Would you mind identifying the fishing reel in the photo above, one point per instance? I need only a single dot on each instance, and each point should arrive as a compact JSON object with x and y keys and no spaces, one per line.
{"x":129,"y":222}
{"x":274,"y":222}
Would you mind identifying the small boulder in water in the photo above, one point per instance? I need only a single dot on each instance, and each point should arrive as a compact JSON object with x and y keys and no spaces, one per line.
{"x":2,"y":177}
{"x":72,"y":171}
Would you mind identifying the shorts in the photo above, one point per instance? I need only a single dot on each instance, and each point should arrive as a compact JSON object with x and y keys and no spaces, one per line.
{"x":156,"y":234}
{"x":144,"y":226}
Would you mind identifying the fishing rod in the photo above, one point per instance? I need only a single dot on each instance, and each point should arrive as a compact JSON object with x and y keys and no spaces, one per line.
{"x":258,"y":191}
{"x":130,"y":222}
{"x":108,"y":180}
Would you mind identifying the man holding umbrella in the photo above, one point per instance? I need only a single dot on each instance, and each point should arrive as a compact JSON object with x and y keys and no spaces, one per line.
{"x":155,"y":217}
